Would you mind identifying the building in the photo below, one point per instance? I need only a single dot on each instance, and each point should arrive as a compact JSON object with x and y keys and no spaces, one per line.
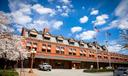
{"x":68,"y":53}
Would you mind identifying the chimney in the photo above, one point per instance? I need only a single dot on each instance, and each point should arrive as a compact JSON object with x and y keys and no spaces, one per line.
{"x":45,"y":30}
{"x":23,"y":31}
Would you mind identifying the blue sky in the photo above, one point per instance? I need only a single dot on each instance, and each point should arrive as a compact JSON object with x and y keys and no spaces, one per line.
{"x":70,"y":18}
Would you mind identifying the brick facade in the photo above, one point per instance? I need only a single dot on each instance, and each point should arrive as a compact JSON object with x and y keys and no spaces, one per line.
{"x":65,"y":51}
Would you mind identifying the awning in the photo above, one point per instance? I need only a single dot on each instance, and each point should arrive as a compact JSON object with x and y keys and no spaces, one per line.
{"x":62,"y":49}
{"x":34,"y":45}
{"x":81,"y":52}
{"x":84,"y":52}
{"x":34,"y":33}
{"x":44,"y":47}
{"x":57,"y":49}
{"x":70,"y":50}
{"x":74,"y":51}
{"x":49,"y":48}
{"x":48,"y":36}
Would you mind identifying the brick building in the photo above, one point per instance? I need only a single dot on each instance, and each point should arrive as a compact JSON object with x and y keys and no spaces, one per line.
{"x":68,"y":53}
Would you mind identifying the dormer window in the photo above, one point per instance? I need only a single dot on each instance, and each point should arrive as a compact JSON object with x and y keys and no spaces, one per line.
{"x":60,"y":39}
{"x":81,"y":43}
{"x":104,"y":48}
{"x":47,"y":36}
{"x":71,"y":41}
{"x":89,"y":45}
{"x":98,"y":47}
{"x":33,"y":33}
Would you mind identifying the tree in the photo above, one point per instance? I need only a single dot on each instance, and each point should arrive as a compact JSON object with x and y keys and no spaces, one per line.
{"x":11,"y":49}
{"x":11,"y":46}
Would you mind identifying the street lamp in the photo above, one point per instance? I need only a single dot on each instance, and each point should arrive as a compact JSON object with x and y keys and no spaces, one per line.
{"x":32,"y":52}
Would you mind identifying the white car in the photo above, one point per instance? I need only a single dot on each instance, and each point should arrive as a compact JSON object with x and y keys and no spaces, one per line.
{"x":45,"y":67}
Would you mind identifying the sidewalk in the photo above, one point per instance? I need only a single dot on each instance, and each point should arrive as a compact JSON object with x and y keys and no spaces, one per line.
{"x":25,"y":72}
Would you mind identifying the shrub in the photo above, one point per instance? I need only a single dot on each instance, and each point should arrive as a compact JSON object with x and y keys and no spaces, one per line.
{"x":95,"y":70}
{"x":8,"y":73}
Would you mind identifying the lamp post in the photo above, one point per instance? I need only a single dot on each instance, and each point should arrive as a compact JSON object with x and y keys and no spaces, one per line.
{"x":32,"y":58}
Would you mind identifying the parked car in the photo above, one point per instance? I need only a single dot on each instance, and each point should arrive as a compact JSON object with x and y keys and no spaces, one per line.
{"x":45,"y":67}
{"x":121,"y":71}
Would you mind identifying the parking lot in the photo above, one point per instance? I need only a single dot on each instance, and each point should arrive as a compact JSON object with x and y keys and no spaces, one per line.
{"x":69,"y":72}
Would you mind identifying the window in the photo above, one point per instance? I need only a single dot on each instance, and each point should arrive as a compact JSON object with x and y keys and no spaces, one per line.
{"x":43,"y":50}
{"x":71,"y":43}
{"x":34,"y":43}
{"x":82,"y":54}
{"x":99,"y":57}
{"x":105,"y":57}
{"x":49,"y":45}
{"x":70,"y":53}
{"x":59,"y":41}
{"x":59,"y":49}
{"x":44,"y":46}
{"x":46,"y":38}
{"x":92,"y":56}
{"x":32,"y":35}
{"x":48,"y":50}
{"x":74,"y":53}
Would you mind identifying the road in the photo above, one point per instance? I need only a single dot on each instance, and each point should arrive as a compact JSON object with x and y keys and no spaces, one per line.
{"x":67,"y":72}
{"x":61,"y":72}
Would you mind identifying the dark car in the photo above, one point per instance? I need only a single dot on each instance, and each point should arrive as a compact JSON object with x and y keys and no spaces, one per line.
{"x":121,"y":71}
{"x":45,"y":67}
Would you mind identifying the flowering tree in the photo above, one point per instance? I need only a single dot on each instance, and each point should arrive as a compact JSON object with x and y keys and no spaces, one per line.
{"x":11,"y":49}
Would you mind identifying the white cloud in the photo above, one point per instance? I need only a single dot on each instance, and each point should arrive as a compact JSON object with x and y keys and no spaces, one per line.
{"x":94,"y":12}
{"x":40,"y":24}
{"x":20,"y":18}
{"x":42,"y":10}
{"x":100,"y":20}
{"x":114,"y":47}
{"x":24,"y":8}
{"x":35,"y":16}
{"x":84,"y":19}
{"x":57,"y":24}
{"x":121,"y":9}
{"x":76,"y":29}
{"x":121,"y":24}
{"x":87,"y":35}
{"x":122,"y":21}
{"x":112,"y":25}
{"x":65,"y":8}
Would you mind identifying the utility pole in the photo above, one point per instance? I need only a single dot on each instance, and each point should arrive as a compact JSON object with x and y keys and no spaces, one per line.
{"x":106,"y":42}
